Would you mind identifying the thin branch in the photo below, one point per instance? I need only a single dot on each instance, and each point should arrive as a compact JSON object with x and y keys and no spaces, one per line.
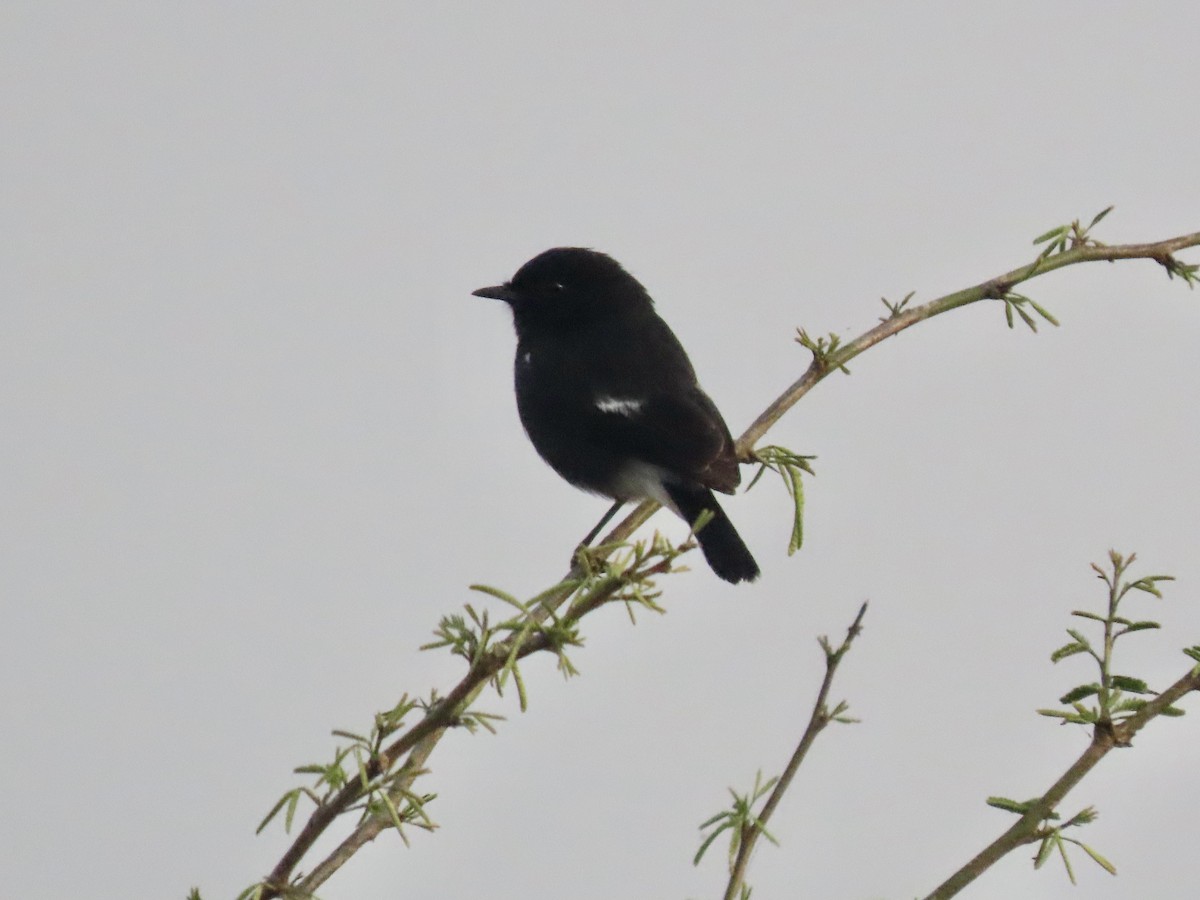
{"x":420,"y":740}
{"x":821,"y":717}
{"x":372,"y":827}
{"x":1105,"y":738}
{"x":1161,"y":252}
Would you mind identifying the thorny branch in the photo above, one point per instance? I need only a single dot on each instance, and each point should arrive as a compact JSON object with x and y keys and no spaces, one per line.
{"x":821,"y":716}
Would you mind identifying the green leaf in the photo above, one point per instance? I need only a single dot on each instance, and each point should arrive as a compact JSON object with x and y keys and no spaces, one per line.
{"x":789,"y":466}
{"x":1062,"y":714}
{"x":1085,"y":816}
{"x":1148,"y":584}
{"x":289,"y":799}
{"x":1130,"y":684}
{"x":1043,"y":313}
{"x":762,"y":467}
{"x":1099,"y":217}
{"x":1130,"y":705}
{"x":290,"y":815}
{"x":498,"y":594}
{"x":708,"y":843}
{"x":1078,"y":693}
{"x":1100,"y":860}
{"x":796,"y":484}
{"x":1020,"y":807}
{"x":1085,"y":714}
{"x":1062,"y":851}
{"x":1027,"y":319}
{"x":350,"y":735}
{"x":1068,"y":650}
{"x":1056,"y":232}
{"x":758,"y":826}
{"x":393,"y":813}
{"x":1140,"y":626}
{"x":1043,"y":851}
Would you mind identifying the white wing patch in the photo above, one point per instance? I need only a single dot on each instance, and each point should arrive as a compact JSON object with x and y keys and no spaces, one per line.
{"x":621,"y":406}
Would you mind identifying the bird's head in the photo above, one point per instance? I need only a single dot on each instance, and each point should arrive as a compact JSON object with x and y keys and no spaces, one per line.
{"x":568,"y":284}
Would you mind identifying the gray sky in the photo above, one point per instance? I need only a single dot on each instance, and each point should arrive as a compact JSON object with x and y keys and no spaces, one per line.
{"x":259,"y":436}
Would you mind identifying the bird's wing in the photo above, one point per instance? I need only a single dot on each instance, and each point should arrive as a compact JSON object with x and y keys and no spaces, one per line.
{"x":682,"y":431}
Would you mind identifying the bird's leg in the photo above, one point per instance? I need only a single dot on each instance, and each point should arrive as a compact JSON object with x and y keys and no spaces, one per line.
{"x":591,"y":535}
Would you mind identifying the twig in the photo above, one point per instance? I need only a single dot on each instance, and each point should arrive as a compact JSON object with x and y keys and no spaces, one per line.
{"x":1161,"y":252}
{"x":419,"y":741}
{"x":1105,"y":738}
{"x":821,"y":716}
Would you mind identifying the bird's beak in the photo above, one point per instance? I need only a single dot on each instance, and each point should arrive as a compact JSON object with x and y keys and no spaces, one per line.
{"x":495,"y":292}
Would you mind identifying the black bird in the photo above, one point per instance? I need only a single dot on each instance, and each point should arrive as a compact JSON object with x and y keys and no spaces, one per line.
{"x":610,"y":400}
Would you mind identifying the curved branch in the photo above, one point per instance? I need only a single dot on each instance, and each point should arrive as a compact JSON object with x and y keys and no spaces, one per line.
{"x":1161,"y":252}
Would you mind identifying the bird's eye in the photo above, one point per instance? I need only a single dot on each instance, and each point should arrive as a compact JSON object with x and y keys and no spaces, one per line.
{"x":557,"y":285}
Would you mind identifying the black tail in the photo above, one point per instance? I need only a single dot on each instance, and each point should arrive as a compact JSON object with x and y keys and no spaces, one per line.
{"x":719,"y":541}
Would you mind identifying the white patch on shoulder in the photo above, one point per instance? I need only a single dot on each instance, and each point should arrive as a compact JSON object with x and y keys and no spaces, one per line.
{"x":526,"y":358}
{"x":622,"y":406}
